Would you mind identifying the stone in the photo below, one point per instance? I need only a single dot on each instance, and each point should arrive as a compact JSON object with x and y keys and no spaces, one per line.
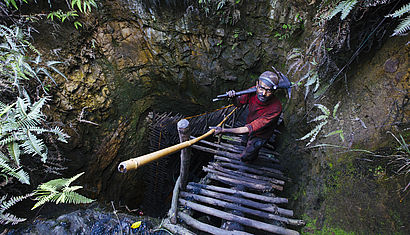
{"x":220,"y":32}
{"x":391,"y":65}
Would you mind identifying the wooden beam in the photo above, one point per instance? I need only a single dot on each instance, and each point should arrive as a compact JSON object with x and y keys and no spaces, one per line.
{"x":219,"y":167}
{"x":234,"y":182}
{"x":243,"y":179}
{"x":248,"y":168}
{"x":172,"y":213}
{"x":233,"y":206}
{"x":275,"y":200}
{"x":243,"y":201}
{"x":175,"y":229}
{"x":268,"y":169}
{"x":206,"y":227}
{"x":247,"y":222}
{"x":217,"y":152}
{"x":235,"y":150}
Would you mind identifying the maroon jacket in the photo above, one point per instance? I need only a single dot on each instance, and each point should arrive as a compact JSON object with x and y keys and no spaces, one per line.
{"x":262,"y":117}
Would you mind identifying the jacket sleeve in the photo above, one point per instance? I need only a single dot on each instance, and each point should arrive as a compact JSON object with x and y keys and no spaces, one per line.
{"x":265,"y":120}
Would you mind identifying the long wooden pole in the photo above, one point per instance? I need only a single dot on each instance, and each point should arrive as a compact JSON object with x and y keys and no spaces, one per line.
{"x":134,"y":163}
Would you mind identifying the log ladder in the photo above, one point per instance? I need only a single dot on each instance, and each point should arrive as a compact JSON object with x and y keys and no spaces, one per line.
{"x":241,"y":195}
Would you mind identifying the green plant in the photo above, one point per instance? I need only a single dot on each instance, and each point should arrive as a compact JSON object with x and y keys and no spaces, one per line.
{"x":404,"y":25}
{"x":323,"y":120}
{"x":59,"y":191}
{"x":7,"y":218}
{"x":343,"y":7}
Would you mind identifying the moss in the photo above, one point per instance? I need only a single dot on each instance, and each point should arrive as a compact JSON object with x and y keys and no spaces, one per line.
{"x":313,"y":228}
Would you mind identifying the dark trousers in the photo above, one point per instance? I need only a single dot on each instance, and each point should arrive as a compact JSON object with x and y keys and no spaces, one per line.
{"x":252,"y":146}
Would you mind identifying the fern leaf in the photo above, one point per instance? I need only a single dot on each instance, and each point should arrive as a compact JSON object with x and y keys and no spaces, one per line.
{"x":349,"y":5}
{"x":7,"y":140}
{"x":35,"y":112}
{"x":335,"y":109}
{"x":401,"y":11}
{"x":14,"y":152}
{"x":5,"y":205}
{"x":318,"y":127}
{"x":314,"y":131}
{"x":76,"y":198}
{"x":319,"y":118}
{"x":317,"y":85}
{"x":34,"y":146}
{"x":8,"y":218}
{"x":20,"y":174}
{"x":42,"y":200}
{"x":325,"y":110}
{"x":337,"y":9}
{"x":403,"y":27}
{"x":334,"y":133}
{"x":312,"y":79}
{"x":72,"y":179}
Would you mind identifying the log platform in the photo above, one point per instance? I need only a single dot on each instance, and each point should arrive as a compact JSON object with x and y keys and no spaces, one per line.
{"x":234,"y":197}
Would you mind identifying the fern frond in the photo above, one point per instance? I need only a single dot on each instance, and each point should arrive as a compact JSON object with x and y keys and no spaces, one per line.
{"x":319,"y":118}
{"x":34,"y":146}
{"x":59,"y":191}
{"x":5,"y":205}
{"x":19,"y":174}
{"x":7,"y":218}
{"x":337,"y":9}
{"x":403,"y":27}
{"x":35,"y":112}
{"x":314,"y":131}
{"x":349,"y":5}
{"x":335,"y":109}
{"x":76,"y":198}
{"x":7,"y":140}
{"x":14,"y":152}
{"x":318,"y":127}
{"x":323,"y":108}
{"x":405,"y":9}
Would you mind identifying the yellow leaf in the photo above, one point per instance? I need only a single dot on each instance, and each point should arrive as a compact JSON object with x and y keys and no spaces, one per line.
{"x":136,"y":225}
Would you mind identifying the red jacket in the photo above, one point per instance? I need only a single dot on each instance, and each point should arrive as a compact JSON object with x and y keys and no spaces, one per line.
{"x":262,"y":117}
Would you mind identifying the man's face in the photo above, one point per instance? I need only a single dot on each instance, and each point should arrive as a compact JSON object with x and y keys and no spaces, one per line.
{"x":263,"y":91}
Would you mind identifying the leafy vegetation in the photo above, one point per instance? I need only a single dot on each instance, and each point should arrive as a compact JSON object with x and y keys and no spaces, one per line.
{"x":404,"y":25}
{"x":59,"y":191}
{"x":323,"y":120}
{"x":22,"y":122}
{"x":344,"y":7}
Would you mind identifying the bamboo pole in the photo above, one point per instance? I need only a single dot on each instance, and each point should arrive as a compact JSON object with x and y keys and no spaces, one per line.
{"x":134,"y":163}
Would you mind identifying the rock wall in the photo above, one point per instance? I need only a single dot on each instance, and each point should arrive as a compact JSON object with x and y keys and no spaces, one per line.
{"x":128,"y":61}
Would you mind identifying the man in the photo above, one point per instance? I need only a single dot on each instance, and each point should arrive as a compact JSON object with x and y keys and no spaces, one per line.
{"x":264,"y":111}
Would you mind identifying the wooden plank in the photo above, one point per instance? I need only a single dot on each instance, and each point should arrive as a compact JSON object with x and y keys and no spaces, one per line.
{"x":235,"y":182}
{"x":268,"y":169}
{"x":172,"y":213}
{"x":175,"y":229}
{"x":261,"y":206}
{"x":275,"y":200}
{"x":217,"y":152}
{"x":217,"y":165}
{"x":206,"y":227}
{"x":249,"y":168}
{"x":235,"y":150}
{"x":243,"y":179}
{"x":245,"y":221}
{"x":233,"y":206}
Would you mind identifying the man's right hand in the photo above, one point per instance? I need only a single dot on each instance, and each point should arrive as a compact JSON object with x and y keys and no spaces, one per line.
{"x":218,"y":129}
{"x":231,"y":93}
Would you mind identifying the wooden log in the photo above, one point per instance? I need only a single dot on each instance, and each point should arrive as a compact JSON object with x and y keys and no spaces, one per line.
{"x":243,"y":201}
{"x":184,"y":133}
{"x":219,"y":146}
{"x":175,"y":229}
{"x":206,"y":227}
{"x":172,"y":213}
{"x":243,"y":179}
{"x":235,"y":182}
{"x":217,"y":152}
{"x":248,"y":168}
{"x":217,"y":166}
{"x":233,"y":206}
{"x":268,"y":169}
{"x":263,"y":153}
{"x":275,"y":200}
{"x":247,"y":222}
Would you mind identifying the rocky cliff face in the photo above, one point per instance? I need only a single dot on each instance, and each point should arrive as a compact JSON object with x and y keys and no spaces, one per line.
{"x":128,"y":60}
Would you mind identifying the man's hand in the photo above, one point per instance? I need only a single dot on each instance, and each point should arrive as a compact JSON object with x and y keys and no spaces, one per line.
{"x":231,"y":93}
{"x":218,"y":129}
